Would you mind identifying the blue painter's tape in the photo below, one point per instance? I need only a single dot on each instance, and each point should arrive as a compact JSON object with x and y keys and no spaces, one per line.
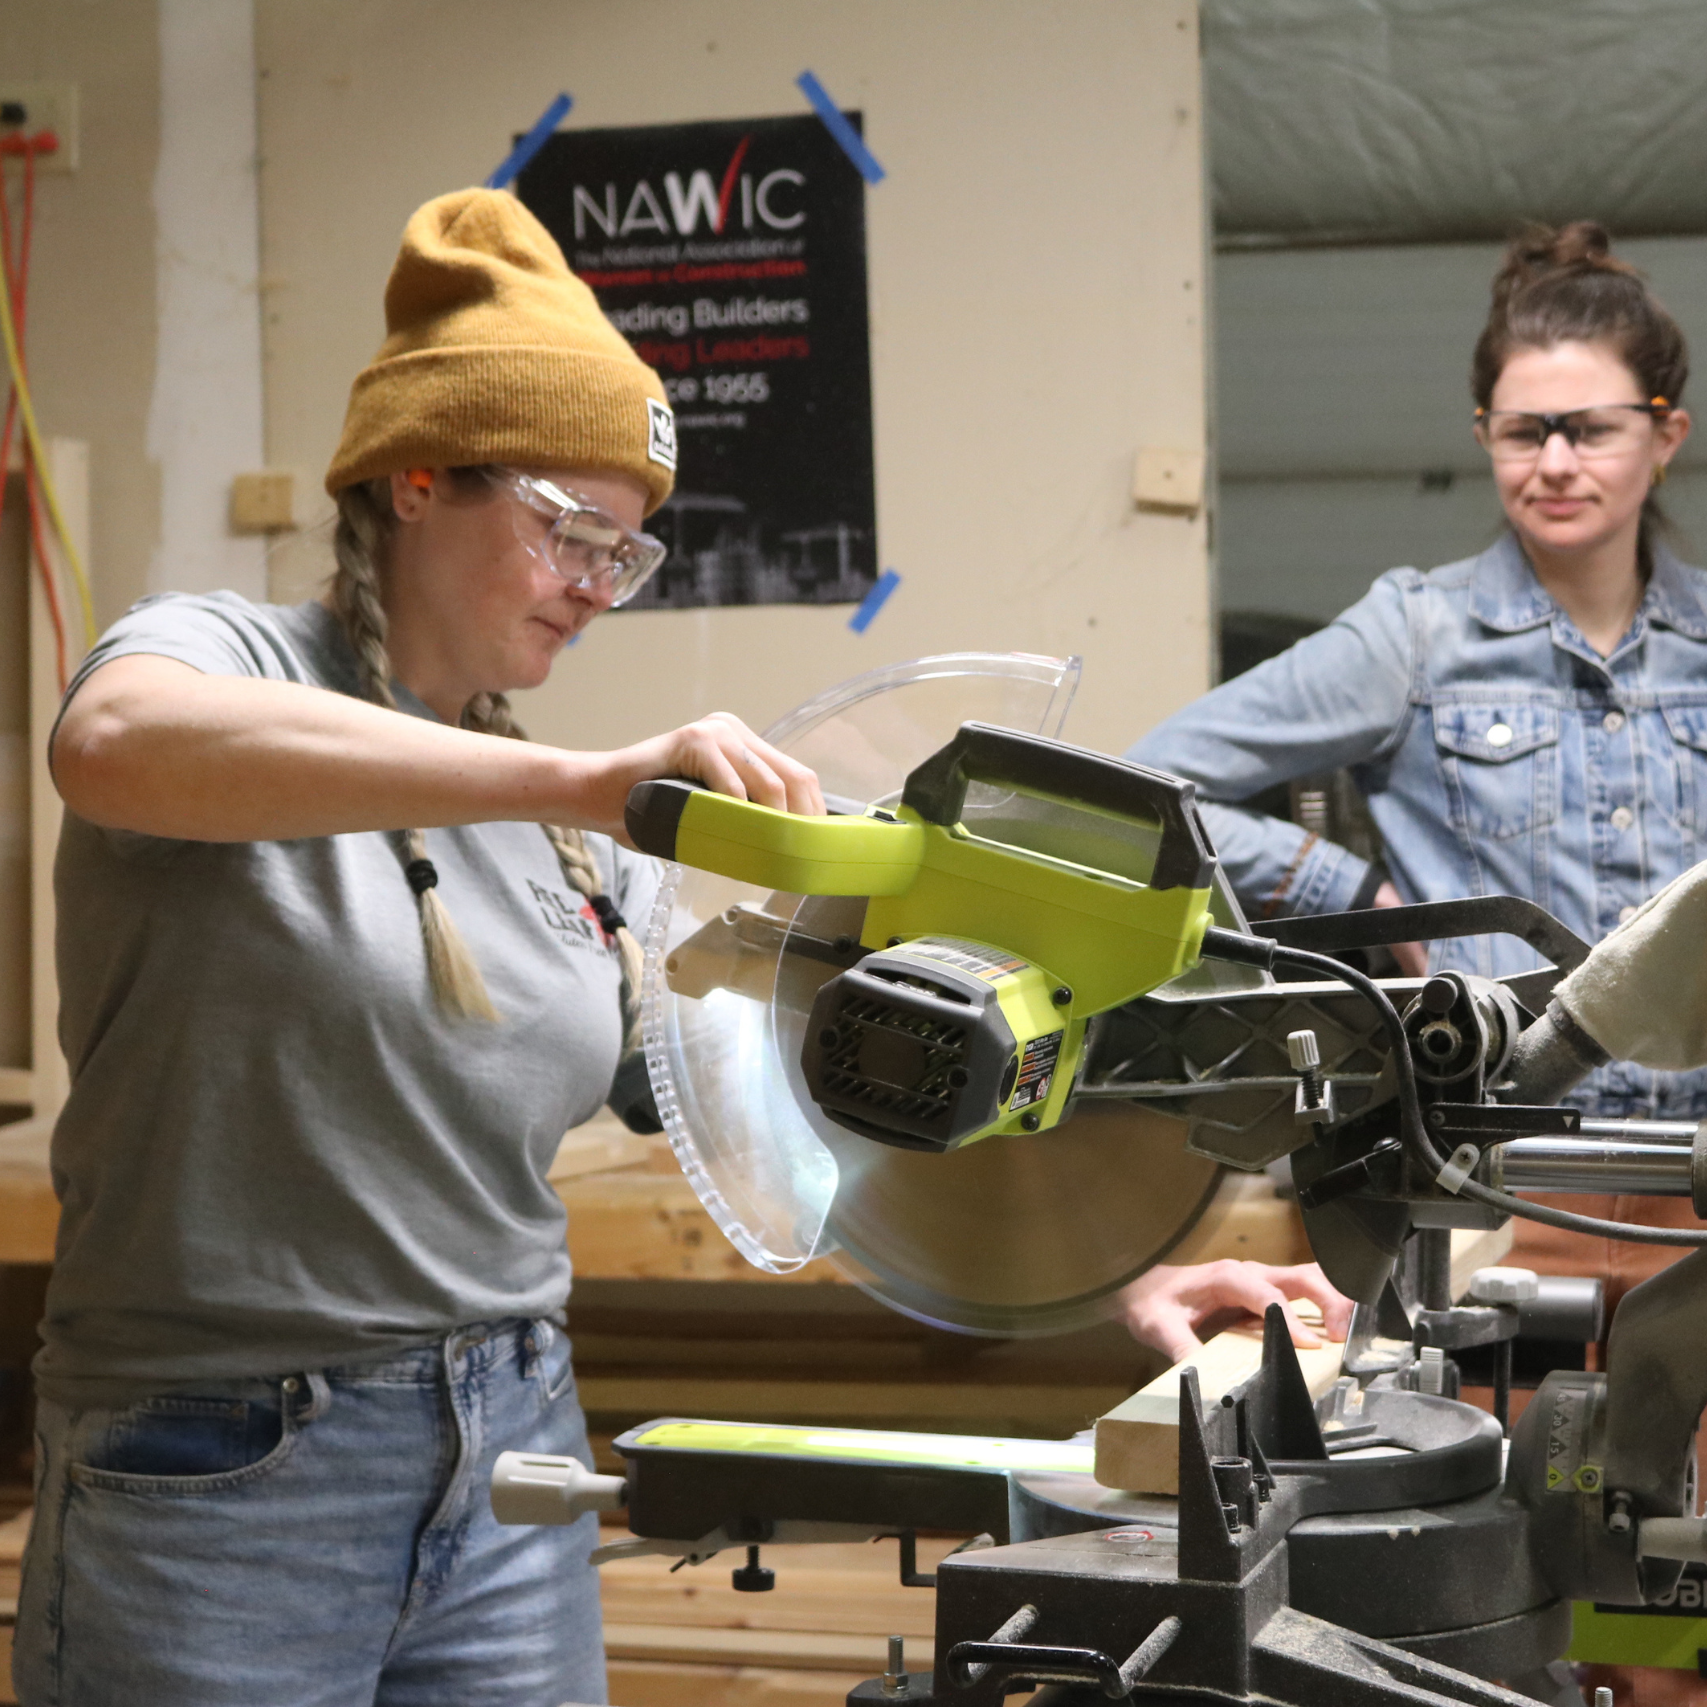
{"x":531,"y":144}
{"x":851,"y":142}
{"x":874,"y":601}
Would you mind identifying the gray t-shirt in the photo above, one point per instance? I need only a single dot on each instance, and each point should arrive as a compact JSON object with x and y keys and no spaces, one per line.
{"x":277,"y":1153}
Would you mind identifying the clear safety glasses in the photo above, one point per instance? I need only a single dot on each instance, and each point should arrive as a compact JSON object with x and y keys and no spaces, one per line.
{"x":1603,"y":432}
{"x":575,"y":539}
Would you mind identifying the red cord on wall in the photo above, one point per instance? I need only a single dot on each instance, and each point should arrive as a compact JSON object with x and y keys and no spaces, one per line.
{"x":17,"y":269}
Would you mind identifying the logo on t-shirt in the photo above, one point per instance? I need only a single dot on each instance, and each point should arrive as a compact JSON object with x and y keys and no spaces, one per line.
{"x":572,"y":919}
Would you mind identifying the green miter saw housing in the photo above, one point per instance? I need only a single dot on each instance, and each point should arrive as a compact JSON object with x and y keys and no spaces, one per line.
{"x":966,"y":1017}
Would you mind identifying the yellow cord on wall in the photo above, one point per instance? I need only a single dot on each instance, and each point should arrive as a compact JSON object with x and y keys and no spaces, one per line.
{"x":15,"y":362}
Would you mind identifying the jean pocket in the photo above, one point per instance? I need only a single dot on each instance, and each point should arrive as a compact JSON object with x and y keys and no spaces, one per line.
{"x":185,"y":1445}
{"x":1500,"y":764}
{"x":1687,"y":725}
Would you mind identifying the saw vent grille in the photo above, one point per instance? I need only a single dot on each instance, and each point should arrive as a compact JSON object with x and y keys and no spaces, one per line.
{"x":894,"y":1060}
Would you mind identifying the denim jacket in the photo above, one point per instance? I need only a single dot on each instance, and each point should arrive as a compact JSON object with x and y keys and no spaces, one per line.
{"x":1499,"y":754}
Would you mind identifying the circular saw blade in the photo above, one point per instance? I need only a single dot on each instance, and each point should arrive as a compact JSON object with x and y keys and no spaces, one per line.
{"x":1015,"y":1235}
{"x":1023,"y":1234}
{"x":1008,"y":1236}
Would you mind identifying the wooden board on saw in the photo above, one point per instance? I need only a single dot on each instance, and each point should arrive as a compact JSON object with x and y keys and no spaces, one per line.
{"x":1137,"y":1443}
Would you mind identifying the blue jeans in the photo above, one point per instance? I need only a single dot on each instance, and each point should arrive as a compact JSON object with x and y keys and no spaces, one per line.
{"x":321,"y":1540}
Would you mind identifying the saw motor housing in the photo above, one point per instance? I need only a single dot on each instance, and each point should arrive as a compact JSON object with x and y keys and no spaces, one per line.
{"x":966,"y":1018}
{"x":941,"y":1040}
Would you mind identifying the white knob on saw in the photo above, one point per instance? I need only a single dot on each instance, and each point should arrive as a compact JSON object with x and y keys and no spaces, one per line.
{"x":529,"y":1487}
{"x":1504,"y":1285}
{"x":1682,"y":1538}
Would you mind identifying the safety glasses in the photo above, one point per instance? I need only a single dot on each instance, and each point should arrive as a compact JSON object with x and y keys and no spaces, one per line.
{"x":1604,"y":431}
{"x":575,"y":539}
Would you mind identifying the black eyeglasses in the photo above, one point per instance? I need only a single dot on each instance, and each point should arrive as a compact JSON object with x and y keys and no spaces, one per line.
{"x":1605,"y":430}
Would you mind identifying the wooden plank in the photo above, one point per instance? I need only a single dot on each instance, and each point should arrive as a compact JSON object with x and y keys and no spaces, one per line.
{"x":651,"y":1683}
{"x":1137,"y":1443}
{"x":29,"y":1211}
{"x":68,"y":464}
{"x":843,"y":1587}
{"x":644,"y":1226}
{"x":1247,"y":1221}
{"x":844,"y":1603}
{"x":18,"y":1085}
{"x":797,"y":1650}
{"x":1473,"y":1249}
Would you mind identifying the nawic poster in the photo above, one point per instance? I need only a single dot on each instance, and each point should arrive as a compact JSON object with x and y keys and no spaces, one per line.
{"x":732,"y":255}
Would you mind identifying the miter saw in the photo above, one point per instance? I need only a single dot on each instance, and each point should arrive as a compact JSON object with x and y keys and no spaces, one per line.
{"x":947,"y":1036}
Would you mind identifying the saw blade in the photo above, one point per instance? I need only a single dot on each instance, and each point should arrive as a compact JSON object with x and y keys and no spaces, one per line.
{"x":1008,"y":1236}
{"x":1023,"y":1234}
{"x":1014,"y":1235}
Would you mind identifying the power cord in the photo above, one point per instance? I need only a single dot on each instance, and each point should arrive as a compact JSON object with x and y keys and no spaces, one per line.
{"x":1219,"y":944}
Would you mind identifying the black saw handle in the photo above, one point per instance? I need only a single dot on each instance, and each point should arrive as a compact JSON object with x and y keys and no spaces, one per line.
{"x":1032,"y":764}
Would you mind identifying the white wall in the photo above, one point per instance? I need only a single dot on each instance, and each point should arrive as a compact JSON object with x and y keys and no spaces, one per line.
{"x":204,"y":422}
{"x":1342,"y":380}
{"x":1036,"y":290}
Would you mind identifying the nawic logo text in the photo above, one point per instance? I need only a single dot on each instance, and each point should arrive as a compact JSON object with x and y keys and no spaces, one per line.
{"x":771,"y":202}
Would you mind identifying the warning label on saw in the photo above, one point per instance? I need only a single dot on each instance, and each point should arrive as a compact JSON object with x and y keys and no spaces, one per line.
{"x":1036,"y":1070}
{"x":986,"y":963}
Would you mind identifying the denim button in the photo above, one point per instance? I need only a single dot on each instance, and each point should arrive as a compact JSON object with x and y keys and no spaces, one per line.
{"x":1612,"y":722}
{"x":291,"y":1383}
{"x":1500,"y":735}
{"x":1622,"y":818}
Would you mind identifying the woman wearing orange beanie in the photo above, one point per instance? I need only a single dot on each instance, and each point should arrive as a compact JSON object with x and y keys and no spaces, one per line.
{"x":341,"y":958}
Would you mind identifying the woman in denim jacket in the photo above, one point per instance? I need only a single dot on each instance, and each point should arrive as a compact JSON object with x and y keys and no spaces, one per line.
{"x":1532,"y":721}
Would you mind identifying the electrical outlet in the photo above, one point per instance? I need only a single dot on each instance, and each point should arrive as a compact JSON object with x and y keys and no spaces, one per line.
{"x":1169,"y":481}
{"x":44,"y":107}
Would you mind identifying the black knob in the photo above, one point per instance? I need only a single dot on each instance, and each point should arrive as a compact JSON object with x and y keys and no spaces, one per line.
{"x":752,"y":1577}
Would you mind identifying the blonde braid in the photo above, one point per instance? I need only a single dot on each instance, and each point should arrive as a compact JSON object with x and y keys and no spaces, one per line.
{"x":490,"y":714}
{"x":358,"y":543}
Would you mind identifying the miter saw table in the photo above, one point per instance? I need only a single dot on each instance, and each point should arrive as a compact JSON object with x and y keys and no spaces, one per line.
{"x":988,"y":1040}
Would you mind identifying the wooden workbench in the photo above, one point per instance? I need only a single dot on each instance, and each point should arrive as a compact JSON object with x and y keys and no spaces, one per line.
{"x":632,"y":1216}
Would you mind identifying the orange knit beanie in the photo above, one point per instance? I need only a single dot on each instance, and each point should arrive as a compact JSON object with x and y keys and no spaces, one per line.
{"x":496,"y":352}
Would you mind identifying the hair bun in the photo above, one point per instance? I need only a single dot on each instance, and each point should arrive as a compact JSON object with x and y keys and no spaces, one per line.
{"x":1582,"y":246}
